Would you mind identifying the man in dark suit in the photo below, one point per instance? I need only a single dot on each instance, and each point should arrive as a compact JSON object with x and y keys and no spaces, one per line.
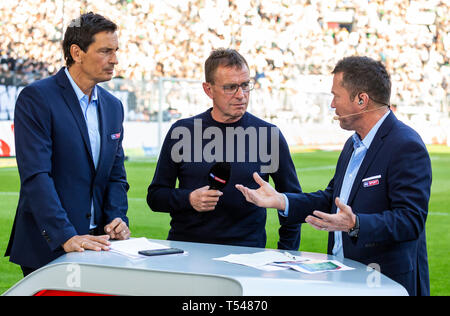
{"x":376,"y":205}
{"x":68,"y":134}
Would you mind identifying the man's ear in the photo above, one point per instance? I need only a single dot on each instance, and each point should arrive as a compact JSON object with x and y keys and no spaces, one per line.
{"x":208,"y":89}
{"x":76,"y":53}
{"x":363,"y":99}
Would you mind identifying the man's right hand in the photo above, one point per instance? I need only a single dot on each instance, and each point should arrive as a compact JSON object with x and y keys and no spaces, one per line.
{"x":265,"y":196}
{"x":89,"y":242}
{"x":204,"y":200}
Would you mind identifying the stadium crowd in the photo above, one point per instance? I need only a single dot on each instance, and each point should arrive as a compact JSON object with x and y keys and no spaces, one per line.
{"x":282,"y":39}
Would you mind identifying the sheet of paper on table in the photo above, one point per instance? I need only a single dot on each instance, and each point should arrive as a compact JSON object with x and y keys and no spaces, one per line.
{"x":260,"y":260}
{"x":274,"y":260}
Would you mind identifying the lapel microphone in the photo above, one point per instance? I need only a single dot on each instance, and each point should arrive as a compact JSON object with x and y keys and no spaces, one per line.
{"x":339,"y":117}
{"x":219,"y":175}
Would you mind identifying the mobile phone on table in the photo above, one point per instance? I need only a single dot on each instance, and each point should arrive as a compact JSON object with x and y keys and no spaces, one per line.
{"x":159,"y":252}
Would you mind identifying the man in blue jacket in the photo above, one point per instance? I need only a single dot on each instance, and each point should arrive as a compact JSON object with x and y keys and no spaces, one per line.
{"x":68,"y":134}
{"x":376,"y":205}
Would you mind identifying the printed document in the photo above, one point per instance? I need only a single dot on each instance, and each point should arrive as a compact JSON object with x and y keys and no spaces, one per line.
{"x":314,"y":266}
{"x":274,"y":260}
{"x":259,"y":260}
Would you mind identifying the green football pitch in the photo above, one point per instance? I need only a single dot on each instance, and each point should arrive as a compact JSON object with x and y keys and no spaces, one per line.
{"x":314,"y":170}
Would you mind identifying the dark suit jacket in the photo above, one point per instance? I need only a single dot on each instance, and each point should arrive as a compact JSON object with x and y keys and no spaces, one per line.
{"x":57,"y":173}
{"x":392,"y":210}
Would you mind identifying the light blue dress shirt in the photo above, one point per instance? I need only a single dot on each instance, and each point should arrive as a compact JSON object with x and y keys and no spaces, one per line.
{"x":360,"y":150}
{"x":359,"y":153}
{"x":90,"y":114}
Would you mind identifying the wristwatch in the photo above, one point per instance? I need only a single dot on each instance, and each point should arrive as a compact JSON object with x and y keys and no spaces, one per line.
{"x":355,"y":230}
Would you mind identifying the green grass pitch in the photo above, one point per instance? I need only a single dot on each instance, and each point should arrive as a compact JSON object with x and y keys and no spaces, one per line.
{"x":314,"y":169}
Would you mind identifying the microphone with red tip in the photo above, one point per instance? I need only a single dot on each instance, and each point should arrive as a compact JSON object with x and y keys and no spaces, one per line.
{"x":219,"y":175}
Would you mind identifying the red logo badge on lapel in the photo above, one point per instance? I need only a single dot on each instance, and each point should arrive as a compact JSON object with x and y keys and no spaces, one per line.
{"x":372,"y":181}
{"x":115,"y":136}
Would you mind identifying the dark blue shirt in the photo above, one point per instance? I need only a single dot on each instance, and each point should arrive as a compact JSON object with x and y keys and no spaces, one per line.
{"x":234,"y":221}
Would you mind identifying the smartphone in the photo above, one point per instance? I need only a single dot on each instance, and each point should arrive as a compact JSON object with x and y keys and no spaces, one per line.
{"x":159,"y":252}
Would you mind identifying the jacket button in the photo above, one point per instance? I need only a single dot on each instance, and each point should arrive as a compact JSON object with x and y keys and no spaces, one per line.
{"x":88,"y":215}
{"x":45,"y":235}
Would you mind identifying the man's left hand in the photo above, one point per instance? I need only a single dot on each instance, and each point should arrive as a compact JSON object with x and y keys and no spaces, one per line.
{"x":344,"y":220}
{"x":118,"y":229}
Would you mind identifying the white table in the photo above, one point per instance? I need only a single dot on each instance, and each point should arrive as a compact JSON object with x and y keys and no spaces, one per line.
{"x":196,"y":274}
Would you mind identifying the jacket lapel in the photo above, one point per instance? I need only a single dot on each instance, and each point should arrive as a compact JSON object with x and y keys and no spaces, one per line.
{"x":340,"y":171}
{"x":74,"y":105}
{"x":377,"y":143}
{"x":102,"y":126}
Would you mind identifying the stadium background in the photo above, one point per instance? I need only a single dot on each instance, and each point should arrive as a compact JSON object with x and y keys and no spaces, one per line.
{"x":291,"y":46}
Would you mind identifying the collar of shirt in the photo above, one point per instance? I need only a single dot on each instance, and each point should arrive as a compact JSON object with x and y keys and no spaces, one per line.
{"x":80,"y":95}
{"x":357,"y":142}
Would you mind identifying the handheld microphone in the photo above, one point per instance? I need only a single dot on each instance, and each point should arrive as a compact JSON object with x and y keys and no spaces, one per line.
{"x":339,"y":117}
{"x":219,"y":175}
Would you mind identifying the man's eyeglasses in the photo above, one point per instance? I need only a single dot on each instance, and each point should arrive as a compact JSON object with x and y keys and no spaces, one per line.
{"x":231,"y":89}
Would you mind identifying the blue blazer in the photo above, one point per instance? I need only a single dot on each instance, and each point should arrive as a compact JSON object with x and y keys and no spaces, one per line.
{"x":57,"y":173}
{"x":392,"y":208}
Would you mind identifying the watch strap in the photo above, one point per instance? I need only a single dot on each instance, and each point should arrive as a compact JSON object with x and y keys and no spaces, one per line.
{"x":355,"y":230}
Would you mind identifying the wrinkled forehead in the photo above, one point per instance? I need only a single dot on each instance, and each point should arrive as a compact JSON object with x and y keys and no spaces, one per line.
{"x":231,"y":74}
{"x":106,"y":38}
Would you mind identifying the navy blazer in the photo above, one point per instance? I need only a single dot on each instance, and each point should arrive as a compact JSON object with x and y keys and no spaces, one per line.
{"x":392,"y":209}
{"x":57,"y":173}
